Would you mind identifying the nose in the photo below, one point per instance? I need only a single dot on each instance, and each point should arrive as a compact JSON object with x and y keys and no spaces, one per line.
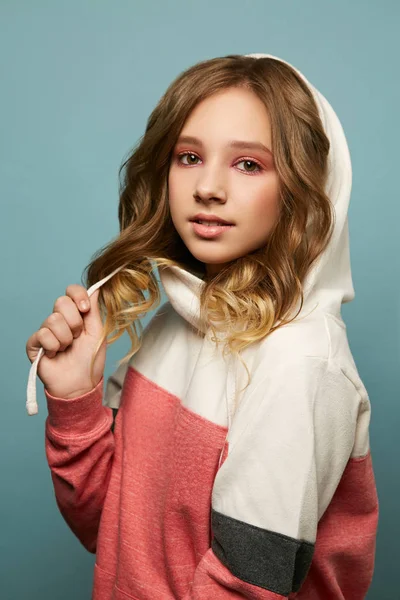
{"x":210,"y":186}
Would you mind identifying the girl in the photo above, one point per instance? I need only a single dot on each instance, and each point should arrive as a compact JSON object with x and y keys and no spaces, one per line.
{"x":241,"y":471}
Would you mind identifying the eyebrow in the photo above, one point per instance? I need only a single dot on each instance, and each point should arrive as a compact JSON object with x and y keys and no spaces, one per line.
{"x":188,"y":139}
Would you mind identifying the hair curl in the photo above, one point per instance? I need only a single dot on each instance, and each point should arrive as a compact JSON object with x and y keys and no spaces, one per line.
{"x":253,"y":295}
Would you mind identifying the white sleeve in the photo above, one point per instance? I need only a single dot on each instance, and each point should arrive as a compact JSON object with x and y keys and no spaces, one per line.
{"x":293,"y":440}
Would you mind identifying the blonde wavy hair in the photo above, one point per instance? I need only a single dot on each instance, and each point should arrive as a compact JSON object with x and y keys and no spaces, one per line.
{"x":253,"y":295}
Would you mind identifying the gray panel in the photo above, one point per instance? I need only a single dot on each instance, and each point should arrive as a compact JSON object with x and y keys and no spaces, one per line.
{"x":270,"y":560}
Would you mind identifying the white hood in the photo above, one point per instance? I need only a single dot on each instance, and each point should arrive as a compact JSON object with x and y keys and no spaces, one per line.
{"x":329,"y":283}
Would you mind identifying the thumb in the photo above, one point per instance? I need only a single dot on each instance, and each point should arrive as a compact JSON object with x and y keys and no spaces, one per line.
{"x":92,"y":318}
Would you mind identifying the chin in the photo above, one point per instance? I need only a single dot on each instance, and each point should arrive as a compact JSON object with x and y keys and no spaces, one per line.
{"x":209,"y":257}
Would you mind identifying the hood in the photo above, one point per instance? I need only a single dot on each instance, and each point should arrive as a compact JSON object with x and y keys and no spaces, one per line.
{"x":328,"y":284}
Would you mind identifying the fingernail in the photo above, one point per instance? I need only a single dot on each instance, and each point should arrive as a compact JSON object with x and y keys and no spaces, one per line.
{"x":84,"y":305}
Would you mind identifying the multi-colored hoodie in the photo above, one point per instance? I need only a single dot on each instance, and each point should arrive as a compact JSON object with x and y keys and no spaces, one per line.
{"x":203,"y":490}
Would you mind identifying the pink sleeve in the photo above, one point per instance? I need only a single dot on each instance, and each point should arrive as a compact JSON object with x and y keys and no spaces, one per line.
{"x":79,"y":447}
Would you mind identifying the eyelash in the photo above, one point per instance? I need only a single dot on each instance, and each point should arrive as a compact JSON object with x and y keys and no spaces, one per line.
{"x":260,"y":168}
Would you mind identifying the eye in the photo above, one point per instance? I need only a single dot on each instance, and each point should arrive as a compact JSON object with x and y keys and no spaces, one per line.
{"x":253,"y":162}
{"x":244,"y":160}
{"x":186,"y":154}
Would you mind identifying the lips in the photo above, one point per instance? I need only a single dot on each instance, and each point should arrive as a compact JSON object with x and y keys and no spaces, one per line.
{"x":213,"y":221}
{"x":210,"y":218}
{"x":210,"y":231}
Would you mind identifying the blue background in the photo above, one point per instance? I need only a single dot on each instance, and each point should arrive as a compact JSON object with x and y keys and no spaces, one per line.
{"x":78,"y":81}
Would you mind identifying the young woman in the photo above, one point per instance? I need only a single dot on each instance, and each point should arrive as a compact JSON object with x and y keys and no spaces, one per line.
{"x":240,"y":470}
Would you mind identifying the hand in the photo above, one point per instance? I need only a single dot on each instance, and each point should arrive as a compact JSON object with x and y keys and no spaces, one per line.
{"x":69,"y":337}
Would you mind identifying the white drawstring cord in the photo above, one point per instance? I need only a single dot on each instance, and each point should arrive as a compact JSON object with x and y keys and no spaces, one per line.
{"x":230,"y":391}
{"x":31,"y":403}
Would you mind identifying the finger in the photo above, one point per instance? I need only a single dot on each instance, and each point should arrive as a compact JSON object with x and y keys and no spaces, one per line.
{"x":60,"y":328}
{"x":48,"y":341}
{"x":67,"y":307}
{"x":79,"y":295}
{"x":93,"y":317}
{"x":32,"y":346}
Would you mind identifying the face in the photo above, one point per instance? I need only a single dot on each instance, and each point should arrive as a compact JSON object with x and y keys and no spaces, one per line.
{"x":236,"y":183}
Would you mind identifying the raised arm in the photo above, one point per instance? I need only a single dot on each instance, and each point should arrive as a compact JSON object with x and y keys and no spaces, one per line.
{"x":79,"y":445}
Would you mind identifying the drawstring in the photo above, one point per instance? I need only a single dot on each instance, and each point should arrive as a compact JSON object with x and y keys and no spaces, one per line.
{"x":230,"y":389}
{"x":31,"y":404}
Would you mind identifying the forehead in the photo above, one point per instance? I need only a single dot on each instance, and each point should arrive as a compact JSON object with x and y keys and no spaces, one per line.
{"x":233,"y":117}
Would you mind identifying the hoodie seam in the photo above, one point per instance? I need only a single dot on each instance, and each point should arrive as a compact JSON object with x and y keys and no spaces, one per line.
{"x":105,"y":425}
{"x":339,"y":365}
{"x":363,"y":399}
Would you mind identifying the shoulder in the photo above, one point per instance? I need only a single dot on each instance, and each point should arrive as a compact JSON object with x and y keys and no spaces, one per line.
{"x":302,"y":397}
{"x":305,"y":336}
{"x":150,"y":338}
{"x":312,"y":349}
{"x":316,"y":335}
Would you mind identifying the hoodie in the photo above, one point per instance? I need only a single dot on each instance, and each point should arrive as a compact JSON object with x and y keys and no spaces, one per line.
{"x":206,"y":488}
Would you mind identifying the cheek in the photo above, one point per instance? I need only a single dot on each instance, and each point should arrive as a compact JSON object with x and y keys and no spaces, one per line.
{"x":170,"y":182}
{"x":174,"y":189}
{"x":171,"y":192}
{"x":264,"y":204}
